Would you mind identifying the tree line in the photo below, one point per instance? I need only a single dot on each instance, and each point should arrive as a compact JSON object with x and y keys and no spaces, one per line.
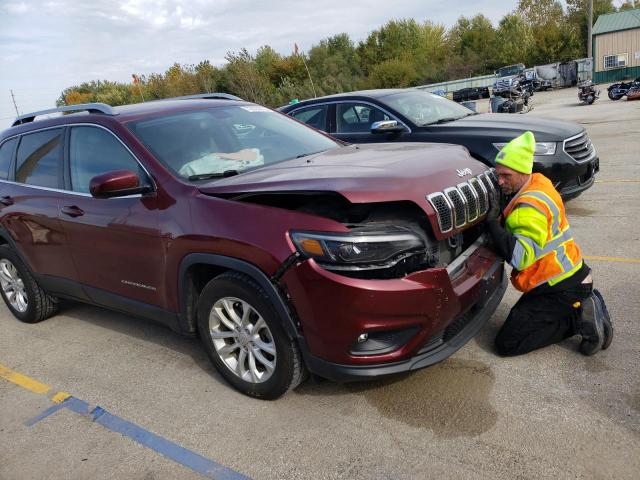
{"x":401,"y":53}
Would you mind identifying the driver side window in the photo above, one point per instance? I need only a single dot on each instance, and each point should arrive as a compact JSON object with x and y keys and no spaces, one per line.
{"x":94,"y":151}
{"x":357,"y":117}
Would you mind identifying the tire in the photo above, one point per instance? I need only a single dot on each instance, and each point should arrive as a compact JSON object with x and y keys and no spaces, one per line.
{"x":28,"y":302}
{"x":590,"y":99}
{"x":245,"y":340}
{"x":614,"y":97}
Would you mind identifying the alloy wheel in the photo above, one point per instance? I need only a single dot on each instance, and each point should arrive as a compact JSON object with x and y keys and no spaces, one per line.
{"x":242,"y":339}
{"x":13,"y":286}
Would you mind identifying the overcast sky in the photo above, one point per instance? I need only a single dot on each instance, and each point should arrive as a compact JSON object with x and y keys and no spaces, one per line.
{"x":47,"y":46}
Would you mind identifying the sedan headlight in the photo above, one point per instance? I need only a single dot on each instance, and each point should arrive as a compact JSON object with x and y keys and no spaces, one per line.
{"x":357,"y":249}
{"x":542,"y":148}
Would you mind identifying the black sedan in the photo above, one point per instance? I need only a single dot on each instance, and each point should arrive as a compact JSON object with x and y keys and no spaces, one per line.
{"x":564,"y":152}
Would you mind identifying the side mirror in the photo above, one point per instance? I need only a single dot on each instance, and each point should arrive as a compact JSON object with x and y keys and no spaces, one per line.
{"x":116,"y":184}
{"x":387,"y":126}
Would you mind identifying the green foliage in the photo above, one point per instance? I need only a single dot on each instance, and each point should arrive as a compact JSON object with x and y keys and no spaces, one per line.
{"x":577,"y":18}
{"x":393,"y":73}
{"x":401,"y":53}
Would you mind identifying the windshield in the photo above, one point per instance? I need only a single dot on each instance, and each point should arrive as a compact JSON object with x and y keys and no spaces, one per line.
{"x":424,"y":108}
{"x":510,"y":70}
{"x":230,"y":139}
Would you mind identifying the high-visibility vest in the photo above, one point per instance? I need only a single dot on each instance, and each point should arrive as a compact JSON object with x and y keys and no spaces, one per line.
{"x":545,"y":250}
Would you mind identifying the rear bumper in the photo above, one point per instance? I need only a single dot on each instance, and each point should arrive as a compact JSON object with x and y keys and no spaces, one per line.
{"x":440,"y":309}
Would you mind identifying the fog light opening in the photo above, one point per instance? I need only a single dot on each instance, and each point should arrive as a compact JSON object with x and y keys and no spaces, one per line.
{"x":363,"y":337}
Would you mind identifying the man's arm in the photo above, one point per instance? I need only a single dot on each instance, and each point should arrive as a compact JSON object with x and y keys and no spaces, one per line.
{"x":525,"y":232}
{"x":503,"y":241}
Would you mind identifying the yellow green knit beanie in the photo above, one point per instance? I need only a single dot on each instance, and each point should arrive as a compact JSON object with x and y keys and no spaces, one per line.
{"x":518,"y":153}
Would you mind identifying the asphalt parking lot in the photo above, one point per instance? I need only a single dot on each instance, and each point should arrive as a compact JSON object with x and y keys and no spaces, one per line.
{"x":549,"y":414}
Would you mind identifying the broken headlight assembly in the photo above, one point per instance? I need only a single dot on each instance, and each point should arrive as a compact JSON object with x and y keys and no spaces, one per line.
{"x":371,"y":250}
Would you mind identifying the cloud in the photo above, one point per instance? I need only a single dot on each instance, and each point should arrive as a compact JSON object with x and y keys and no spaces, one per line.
{"x":49,"y":45}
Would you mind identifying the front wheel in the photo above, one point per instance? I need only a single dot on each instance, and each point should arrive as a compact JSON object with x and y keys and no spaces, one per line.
{"x":614,"y":95}
{"x":27,"y":301}
{"x":244,"y":338}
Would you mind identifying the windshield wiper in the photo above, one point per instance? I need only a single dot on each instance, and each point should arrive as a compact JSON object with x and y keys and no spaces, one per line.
{"x":442,"y":120}
{"x":205,"y":176}
{"x":310,"y":153}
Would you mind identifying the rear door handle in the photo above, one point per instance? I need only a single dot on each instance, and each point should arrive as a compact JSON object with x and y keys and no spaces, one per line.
{"x":6,"y":200}
{"x":72,"y":211}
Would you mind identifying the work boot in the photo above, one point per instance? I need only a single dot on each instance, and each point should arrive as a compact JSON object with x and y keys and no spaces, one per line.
{"x":591,"y":326}
{"x":608,"y":326}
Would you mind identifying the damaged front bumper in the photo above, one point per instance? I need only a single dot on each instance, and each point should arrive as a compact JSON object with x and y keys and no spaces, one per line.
{"x":412,"y":322}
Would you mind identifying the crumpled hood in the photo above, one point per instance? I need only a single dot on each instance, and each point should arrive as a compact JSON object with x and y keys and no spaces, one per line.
{"x":362,"y":174}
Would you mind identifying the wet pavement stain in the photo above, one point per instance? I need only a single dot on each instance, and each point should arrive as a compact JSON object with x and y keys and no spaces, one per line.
{"x":451,"y":399}
{"x":596,"y":365}
{"x":574,"y":211}
{"x":634,"y":402}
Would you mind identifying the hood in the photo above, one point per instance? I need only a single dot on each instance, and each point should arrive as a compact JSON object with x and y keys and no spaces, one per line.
{"x":362,"y":173}
{"x":508,"y":78}
{"x":506,"y":126}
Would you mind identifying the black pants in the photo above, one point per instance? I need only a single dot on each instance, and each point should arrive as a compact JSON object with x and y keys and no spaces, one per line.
{"x":541,"y":318}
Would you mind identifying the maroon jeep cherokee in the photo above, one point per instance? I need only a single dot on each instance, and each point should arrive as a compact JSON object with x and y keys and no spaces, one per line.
{"x":285,"y":250}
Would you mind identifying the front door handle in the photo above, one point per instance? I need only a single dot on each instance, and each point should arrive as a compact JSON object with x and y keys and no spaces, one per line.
{"x":72,"y":211}
{"x":6,"y":200}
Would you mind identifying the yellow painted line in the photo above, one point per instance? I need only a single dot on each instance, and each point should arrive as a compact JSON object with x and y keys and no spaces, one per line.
{"x":23,"y":381}
{"x":60,"y":397}
{"x":617,"y":181}
{"x":612,"y":259}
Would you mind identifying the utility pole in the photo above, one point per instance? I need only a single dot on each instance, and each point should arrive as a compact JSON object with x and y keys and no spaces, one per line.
{"x":589,"y":24}
{"x":14,"y":103}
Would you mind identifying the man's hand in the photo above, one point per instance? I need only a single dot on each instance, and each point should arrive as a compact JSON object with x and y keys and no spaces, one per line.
{"x":494,"y":205}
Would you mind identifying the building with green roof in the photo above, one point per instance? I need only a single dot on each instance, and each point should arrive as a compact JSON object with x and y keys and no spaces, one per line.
{"x":616,"y":46}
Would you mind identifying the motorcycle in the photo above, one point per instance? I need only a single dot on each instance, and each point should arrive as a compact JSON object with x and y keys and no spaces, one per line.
{"x":515,"y":100}
{"x":587,"y":92}
{"x":634,"y":92}
{"x":619,"y":90}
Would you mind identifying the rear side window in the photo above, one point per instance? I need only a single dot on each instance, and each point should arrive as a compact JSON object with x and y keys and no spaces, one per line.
{"x":357,"y":118}
{"x":94,"y":151}
{"x":313,"y":116}
{"x":6,"y":154}
{"x":39,"y":158}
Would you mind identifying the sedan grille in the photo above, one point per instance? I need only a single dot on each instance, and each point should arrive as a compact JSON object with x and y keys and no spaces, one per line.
{"x":579,"y":147}
{"x":464,"y":203}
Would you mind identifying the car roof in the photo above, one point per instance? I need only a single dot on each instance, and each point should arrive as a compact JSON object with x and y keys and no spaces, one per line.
{"x":120,"y":114}
{"x":376,"y":93}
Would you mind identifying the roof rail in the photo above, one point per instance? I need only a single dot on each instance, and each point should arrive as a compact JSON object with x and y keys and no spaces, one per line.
{"x":210,"y":96}
{"x":89,"y":107}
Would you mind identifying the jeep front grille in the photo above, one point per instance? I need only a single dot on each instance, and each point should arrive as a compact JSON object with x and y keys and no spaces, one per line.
{"x":471,"y":199}
{"x":481,"y":195}
{"x":443,"y":211}
{"x":464,"y":203}
{"x":456,"y":200}
{"x":579,"y":147}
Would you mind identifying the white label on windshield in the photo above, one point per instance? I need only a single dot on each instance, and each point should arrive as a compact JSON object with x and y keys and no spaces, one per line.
{"x":255,"y":108}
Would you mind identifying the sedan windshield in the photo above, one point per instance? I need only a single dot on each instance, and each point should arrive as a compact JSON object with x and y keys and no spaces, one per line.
{"x":424,"y":108}
{"x":227,"y":140}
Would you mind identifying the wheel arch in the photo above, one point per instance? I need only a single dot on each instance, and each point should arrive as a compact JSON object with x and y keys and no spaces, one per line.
{"x":196,"y":269}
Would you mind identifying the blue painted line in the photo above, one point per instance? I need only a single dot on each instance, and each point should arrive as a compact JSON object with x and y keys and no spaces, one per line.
{"x":49,"y":411}
{"x":173,"y":451}
{"x":165,"y":447}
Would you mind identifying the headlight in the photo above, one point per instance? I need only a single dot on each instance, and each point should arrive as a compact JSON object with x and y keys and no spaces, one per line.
{"x":542,"y":148}
{"x":355,"y":250}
